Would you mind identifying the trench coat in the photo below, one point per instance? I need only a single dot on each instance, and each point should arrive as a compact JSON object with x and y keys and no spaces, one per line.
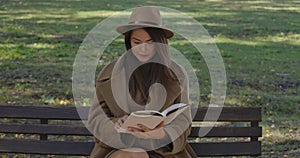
{"x":106,"y":110}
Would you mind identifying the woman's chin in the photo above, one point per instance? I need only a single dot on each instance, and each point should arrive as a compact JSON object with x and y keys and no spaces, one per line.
{"x":143,"y":60}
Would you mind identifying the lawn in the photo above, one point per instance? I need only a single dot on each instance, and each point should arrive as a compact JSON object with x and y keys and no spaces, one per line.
{"x":259,"y":41}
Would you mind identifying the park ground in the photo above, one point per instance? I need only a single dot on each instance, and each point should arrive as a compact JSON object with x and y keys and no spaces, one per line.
{"x":259,"y":42}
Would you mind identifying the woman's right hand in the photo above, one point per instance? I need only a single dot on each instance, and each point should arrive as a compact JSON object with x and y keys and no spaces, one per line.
{"x":120,"y":122}
{"x":147,"y":133}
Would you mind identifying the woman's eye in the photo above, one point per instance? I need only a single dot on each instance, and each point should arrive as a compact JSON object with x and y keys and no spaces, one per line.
{"x":137,"y":42}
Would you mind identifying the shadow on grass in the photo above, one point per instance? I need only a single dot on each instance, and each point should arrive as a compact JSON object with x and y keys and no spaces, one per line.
{"x":288,"y":147}
{"x":258,"y":40}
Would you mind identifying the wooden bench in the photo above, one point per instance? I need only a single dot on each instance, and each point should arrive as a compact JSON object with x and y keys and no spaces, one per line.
{"x":58,"y":130}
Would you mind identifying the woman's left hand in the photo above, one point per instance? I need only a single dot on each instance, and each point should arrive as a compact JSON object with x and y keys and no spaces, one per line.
{"x":146,"y":133}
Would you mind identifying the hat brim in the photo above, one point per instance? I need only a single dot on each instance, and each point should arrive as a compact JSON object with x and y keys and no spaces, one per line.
{"x":128,"y":27}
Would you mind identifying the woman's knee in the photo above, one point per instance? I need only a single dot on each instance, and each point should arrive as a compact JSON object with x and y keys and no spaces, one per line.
{"x":139,"y":154}
{"x":130,"y":153}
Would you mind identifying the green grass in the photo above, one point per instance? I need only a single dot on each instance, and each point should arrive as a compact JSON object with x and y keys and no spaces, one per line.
{"x":259,"y":41}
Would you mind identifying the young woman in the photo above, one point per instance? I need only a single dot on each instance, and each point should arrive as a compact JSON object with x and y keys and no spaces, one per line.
{"x":142,"y":78}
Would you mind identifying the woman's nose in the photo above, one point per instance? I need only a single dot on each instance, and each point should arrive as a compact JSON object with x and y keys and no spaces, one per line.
{"x":143,"y":47}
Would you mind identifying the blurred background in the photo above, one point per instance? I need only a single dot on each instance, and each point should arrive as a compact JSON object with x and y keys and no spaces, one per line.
{"x":259,"y":41}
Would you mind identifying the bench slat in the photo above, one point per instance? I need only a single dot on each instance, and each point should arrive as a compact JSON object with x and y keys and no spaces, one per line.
{"x":228,"y":132}
{"x":85,"y":148}
{"x":52,"y":129}
{"x":45,"y":129}
{"x":46,"y":147}
{"x":70,"y":112}
{"x":227,"y":148}
{"x":42,"y":112}
{"x":230,"y":114}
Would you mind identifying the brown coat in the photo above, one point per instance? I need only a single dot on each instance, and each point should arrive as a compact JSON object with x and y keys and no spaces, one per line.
{"x":105,"y":112}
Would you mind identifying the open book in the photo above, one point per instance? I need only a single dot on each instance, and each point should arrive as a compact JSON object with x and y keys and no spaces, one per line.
{"x":152,"y":118}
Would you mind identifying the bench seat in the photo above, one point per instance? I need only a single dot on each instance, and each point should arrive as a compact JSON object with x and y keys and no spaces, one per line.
{"x":58,"y":130}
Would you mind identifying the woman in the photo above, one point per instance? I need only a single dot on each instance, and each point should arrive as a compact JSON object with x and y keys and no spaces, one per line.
{"x":143,"y":78}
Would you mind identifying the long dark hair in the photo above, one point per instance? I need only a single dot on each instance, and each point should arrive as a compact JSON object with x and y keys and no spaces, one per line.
{"x":149,"y":73}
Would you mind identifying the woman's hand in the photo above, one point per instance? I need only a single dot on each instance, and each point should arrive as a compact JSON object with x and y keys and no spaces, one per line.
{"x":120,"y":122}
{"x":146,"y":133}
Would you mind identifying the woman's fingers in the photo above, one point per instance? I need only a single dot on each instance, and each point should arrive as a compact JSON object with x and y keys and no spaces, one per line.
{"x":120,"y":121}
{"x":125,"y":117}
{"x":144,"y":128}
{"x":132,"y":129}
{"x":161,"y":124}
{"x":146,"y":133}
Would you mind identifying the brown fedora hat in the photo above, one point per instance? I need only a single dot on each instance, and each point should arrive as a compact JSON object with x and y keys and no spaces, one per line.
{"x":145,"y":16}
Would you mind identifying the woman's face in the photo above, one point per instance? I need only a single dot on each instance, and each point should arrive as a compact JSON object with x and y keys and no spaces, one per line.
{"x":142,"y":45}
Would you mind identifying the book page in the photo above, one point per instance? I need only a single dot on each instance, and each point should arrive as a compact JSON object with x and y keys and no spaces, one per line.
{"x":151,"y":121}
{"x":173,"y":107}
{"x":171,"y":116}
{"x":152,"y":118}
{"x":146,"y":113}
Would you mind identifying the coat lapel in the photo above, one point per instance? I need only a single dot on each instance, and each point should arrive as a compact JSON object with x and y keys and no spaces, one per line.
{"x":115,"y":96}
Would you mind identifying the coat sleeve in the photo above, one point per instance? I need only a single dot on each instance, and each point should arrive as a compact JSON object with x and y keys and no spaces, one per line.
{"x":100,"y":120}
{"x":180,"y":128}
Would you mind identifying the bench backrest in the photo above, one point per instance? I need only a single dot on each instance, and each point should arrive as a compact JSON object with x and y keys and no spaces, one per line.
{"x":59,"y":130}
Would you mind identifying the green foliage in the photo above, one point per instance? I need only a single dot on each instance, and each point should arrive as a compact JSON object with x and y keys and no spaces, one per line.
{"x":258,"y":40}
